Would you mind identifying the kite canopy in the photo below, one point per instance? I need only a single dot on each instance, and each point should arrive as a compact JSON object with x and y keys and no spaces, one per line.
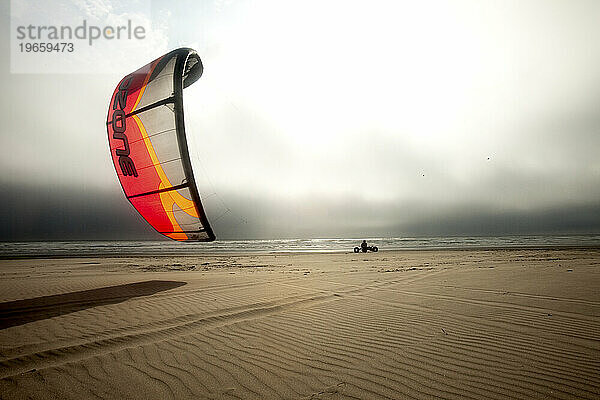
{"x":146,"y":135}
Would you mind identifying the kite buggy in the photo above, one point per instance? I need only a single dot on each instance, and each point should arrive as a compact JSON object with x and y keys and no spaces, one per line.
{"x":364,"y":248}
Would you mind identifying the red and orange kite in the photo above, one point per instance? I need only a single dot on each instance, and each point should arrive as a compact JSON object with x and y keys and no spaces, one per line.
{"x":146,"y":135}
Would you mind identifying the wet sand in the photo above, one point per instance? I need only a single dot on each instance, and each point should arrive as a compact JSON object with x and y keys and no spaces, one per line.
{"x":456,"y":324}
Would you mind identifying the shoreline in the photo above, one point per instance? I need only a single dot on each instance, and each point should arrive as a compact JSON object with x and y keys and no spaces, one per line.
{"x":246,"y":252}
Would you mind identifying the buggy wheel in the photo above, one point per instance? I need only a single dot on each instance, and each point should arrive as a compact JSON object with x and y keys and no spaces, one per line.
{"x":356,"y":249}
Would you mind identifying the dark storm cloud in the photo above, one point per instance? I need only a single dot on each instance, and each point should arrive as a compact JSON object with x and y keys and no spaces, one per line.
{"x":68,"y":213}
{"x":44,"y":213}
{"x":477,"y":221}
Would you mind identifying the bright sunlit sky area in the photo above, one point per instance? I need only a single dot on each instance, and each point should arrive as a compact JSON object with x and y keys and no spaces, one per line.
{"x":333,"y":119}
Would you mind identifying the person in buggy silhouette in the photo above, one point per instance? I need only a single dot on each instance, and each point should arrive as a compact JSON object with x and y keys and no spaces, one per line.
{"x":364,"y":247}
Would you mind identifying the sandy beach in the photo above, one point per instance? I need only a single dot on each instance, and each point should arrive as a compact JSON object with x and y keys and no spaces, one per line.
{"x":454,"y":324}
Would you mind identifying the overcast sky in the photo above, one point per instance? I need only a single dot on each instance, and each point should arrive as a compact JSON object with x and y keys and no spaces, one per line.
{"x":332,"y":119}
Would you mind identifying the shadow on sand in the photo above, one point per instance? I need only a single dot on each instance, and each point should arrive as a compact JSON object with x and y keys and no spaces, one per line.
{"x":20,"y":312}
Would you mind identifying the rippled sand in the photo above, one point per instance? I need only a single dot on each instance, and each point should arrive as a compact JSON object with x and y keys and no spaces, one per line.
{"x":423,"y":324}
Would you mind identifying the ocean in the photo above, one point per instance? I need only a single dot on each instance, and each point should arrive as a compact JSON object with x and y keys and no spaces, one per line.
{"x":166,"y":247}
